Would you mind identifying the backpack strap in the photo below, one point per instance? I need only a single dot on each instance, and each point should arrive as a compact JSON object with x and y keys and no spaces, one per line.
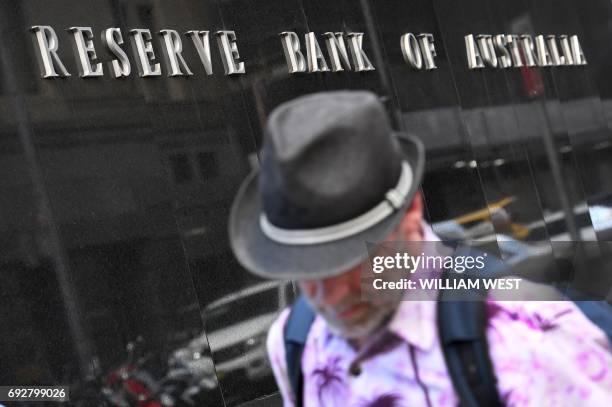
{"x":296,"y":330}
{"x":462,"y":323}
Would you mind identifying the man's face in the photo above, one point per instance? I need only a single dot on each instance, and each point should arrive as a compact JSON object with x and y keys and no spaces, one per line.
{"x":338,"y":299}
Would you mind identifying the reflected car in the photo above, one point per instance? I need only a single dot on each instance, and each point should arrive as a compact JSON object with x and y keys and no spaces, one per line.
{"x":237,"y":326}
{"x":193,"y":364}
{"x":547,"y":252}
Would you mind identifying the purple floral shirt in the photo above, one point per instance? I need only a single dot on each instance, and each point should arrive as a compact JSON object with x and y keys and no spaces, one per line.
{"x":544,"y":354}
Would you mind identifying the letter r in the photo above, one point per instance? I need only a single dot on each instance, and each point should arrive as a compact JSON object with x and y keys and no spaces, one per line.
{"x":48,"y":60}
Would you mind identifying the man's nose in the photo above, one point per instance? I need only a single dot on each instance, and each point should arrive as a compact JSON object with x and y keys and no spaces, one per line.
{"x":329,"y":291}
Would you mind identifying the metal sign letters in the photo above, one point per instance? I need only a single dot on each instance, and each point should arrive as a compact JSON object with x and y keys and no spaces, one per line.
{"x":303,"y":53}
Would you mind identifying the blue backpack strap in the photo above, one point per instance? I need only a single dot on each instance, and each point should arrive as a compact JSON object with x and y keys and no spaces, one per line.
{"x":462,"y":323}
{"x":296,"y":331}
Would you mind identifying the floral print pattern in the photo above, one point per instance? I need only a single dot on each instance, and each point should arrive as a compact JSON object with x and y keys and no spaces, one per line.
{"x":544,"y":354}
{"x":328,"y":379}
{"x":383,"y":400}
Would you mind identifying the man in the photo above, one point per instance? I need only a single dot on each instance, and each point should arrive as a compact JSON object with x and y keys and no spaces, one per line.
{"x":335,"y":177}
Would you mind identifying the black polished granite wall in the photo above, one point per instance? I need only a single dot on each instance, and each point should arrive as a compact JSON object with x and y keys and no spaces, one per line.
{"x":114,"y":194}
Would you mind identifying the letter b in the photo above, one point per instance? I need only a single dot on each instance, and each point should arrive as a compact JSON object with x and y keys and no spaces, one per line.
{"x":291,"y":46}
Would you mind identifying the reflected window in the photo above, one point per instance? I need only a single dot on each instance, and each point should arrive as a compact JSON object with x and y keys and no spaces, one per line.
{"x":181,"y":168}
{"x":208,"y":165}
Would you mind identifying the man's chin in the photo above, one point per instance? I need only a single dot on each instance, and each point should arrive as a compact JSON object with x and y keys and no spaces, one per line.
{"x":361,"y":325}
{"x":358,"y":329}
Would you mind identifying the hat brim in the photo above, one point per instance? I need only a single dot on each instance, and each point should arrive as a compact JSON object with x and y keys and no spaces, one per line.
{"x":269,"y":259}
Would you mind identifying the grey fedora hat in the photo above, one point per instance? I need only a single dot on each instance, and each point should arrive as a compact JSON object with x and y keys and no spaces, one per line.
{"x":334,"y":176}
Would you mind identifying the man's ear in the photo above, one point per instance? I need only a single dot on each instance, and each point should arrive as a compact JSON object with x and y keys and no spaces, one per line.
{"x":410,"y":226}
{"x":417,"y":203}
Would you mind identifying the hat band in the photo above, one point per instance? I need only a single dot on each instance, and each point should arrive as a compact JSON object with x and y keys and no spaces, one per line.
{"x":394,"y":199}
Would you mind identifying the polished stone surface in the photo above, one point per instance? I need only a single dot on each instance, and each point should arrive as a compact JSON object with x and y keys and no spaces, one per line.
{"x":114,"y":194}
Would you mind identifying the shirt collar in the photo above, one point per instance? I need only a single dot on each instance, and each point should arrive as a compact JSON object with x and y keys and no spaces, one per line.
{"x":415,"y":323}
{"x":415,"y":318}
